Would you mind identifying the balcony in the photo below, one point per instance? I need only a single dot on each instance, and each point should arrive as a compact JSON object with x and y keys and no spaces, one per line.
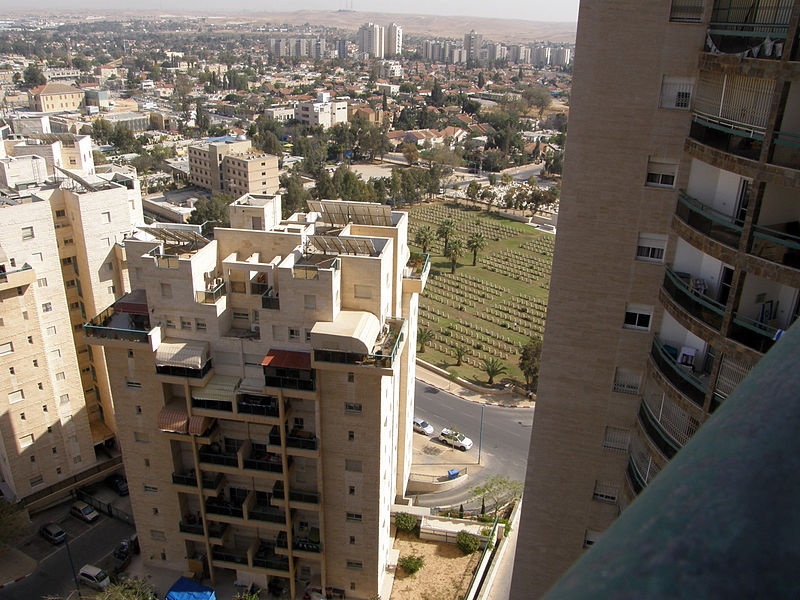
{"x":209,"y":482}
{"x":296,"y":438}
{"x":262,"y":406}
{"x":177,"y":371}
{"x":308,"y":543}
{"x":265,"y":558}
{"x":657,"y":436}
{"x":258,"y":288}
{"x":787,"y":145}
{"x":212,"y":295}
{"x":417,"y":265}
{"x":223,"y":508}
{"x":263,"y":461}
{"x":727,"y":136}
{"x":279,"y":494}
{"x":289,"y":370}
{"x":267,"y":514}
{"x":681,"y":377}
{"x":270,"y":300}
{"x":25,"y":275}
{"x":778,"y":243}
{"x":383,"y":353}
{"x":192,"y":526}
{"x":753,"y":334}
{"x":678,"y":287}
{"x":755,"y":30}
{"x":164,"y":261}
{"x":126,"y":320}
{"x":233,"y":557}
{"x":212,"y":404}
{"x":213,"y":456}
{"x":708,"y":221}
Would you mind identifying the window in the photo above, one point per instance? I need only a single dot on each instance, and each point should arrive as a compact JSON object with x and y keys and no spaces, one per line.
{"x":22,"y":416}
{"x":106,"y":217}
{"x":616,"y":439}
{"x":351,"y":436}
{"x":68,"y":241}
{"x":686,"y":11}
{"x":138,"y":409}
{"x":352,"y":539}
{"x":6,"y":348}
{"x":27,"y":233}
{"x":111,"y":289}
{"x":310,"y":301}
{"x":186,"y":324}
{"x":16,"y":396}
{"x":54,"y":450}
{"x":661,"y":173}
{"x":64,"y":399}
{"x":61,"y":214}
{"x":133,"y":384}
{"x":66,"y":261}
{"x":47,"y":307}
{"x":294,"y":333}
{"x":44,"y":407}
{"x":354,"y":564}
{"x":33,"y":459}
{"x":58,"y":470}
{"x":240,"y":315}
{"x":637,"y":316}
{"x":166,"y":290}
{"x":590,"y":537}
{"x":199,"y":325}
{"x":353,"y":408}
{"x":141,"y":437}
{"x":362,"y":291}
{"x":26,"y":440}
{"x":351,"y":490}
{"x":605,"y":492}
{"x":352,"y":586}
{"x":676,"y":93}
{"x":42,"y":282}
{"x":650,"y":247}
{"x":38,"y":480}
{"x":147,"y":462}
{"x":352,"y":465}
{"x":351,"y":377}
{"x":150,"y":489}
{"x":155,"y":534}
{"x":51,"y":330}
{"x":354,"y":517}
{"x":627,"y":381}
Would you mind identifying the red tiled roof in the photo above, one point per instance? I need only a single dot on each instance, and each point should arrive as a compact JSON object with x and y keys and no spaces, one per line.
{"x":285,"y":359}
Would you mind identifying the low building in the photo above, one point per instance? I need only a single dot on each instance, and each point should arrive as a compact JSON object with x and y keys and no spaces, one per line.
{"x":280,"y":113}
{"x":233,"y":167}
{"x":323,"y":112}
{"x":55,"y":97}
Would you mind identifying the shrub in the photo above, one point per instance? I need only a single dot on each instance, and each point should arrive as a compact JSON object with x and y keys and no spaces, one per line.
{"x":405,"y":521}
{"x":411,"y":563}
{"x":486,"y":532}
{"x":467,"y":542}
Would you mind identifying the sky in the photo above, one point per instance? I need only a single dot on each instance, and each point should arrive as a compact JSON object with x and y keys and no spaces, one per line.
{"x":532,"y":10}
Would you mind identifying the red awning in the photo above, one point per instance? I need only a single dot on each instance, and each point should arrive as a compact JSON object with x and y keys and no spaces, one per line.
{"x":173,"y":418}
{"x":284,"y":359}
{"x":132,"y":303}
{"x":199,"y":425}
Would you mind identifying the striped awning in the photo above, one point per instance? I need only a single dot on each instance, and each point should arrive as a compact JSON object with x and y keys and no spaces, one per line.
{"x":173,"y":418}
{"x":221,"y":387}
{"x":173,"y":353}
{"x":199,"y":425}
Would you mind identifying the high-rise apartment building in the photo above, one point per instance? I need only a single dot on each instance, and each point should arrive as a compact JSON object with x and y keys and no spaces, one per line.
{"x":677,"y":261}
{"x":393,"y":45}
{"x":371,"y":39}
{"x":472,"y":47}
{"x":266,"y":379}
{"x":61,"y":261}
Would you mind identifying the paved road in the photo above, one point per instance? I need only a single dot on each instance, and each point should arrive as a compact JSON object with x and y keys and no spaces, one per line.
{"x":53,"y":577}
{"x":506,"y":436}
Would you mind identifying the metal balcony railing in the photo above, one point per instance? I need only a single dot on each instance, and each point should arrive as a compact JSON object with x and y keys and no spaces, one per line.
{"x":708,"y":221}
{"x":699,"y":306}
{"x":212,"y":295}
{"x":678,"y":375}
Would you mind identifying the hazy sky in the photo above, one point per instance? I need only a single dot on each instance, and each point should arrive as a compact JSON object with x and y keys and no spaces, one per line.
{"x":533,"y":10}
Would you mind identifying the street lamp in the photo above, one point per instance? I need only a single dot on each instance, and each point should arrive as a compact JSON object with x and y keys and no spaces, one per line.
{"x":480,"y":435}
{"x":72,"y":567}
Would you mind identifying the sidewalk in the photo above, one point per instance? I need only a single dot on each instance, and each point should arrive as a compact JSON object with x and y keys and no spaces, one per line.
{"x":503,"y":398}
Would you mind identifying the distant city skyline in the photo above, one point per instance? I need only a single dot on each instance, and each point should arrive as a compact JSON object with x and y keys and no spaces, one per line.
{"x":534,"y":10}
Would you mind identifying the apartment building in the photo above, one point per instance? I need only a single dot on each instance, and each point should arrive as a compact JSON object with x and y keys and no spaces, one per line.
{"x":55,"y":97}
{"x":472,"y":47}
{"x":371,"y":39}
{"x":393,"y":44}
{"x":59,"y":150}
{"x":280,"y":113}
{"x":676,"y":264}
{"x":232,"y":167}
{"x":323,"y":113}
{"x":267,"y":379}
{"x":59,"y":262}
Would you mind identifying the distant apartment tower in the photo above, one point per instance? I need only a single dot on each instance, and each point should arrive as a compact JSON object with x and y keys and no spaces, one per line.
{"x":393,"y":45}
{"x":560,"y":57}
{"x":693,"y":236}
{"x":540,"y":56}
{"x":519,"y":54}
{"x":233,"y":167}
{"x":324,"y":112}
{"x":472,"y":47}
{"x":61,"y":261}
{"x":266,"y":379}
{"x":371,"y":40}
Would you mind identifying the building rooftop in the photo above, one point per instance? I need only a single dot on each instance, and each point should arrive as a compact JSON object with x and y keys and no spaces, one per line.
{"x":54,"y":88}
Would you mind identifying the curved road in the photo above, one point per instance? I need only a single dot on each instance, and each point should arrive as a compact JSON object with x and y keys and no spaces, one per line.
{"x":504,"y":449}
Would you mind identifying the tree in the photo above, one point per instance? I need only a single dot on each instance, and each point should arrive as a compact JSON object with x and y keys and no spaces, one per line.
{"x":102,"y":130}
{"x":410,"y":153}
{"x":123,"y":139}
{"x":445,"y":231}
{"x":529,"y":362}
{"x":296,"y":196}
{"x":467,"y":542}
{"x":473,"y":189}
{"x":424,"y":237}
{"x":202,"y":120}
{"x":270,"y":144}
{"x":493,"y":368}
{"x":214,"y":209}
{"x":130,"y":589}
{"x":13,"y":522}
{"x":460,"y":352}
{"x":437,"y":97}
{"x":99,"y":158}
{"x":424,"y":336}
{"x":455,"y":250}
{"x":476,"y":242}
{"x":33,"y":76}
{"x":497,"y":488}
{"x":538,"y":96}
{"x":506,"y":178}
{"x":324,"y":188}
{"x":481,"y":80}
{"x":554,"y":162}
{"x":405,"y":522}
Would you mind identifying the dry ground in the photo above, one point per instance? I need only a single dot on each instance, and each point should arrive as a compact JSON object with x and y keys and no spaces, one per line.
{"x":445,"y":576}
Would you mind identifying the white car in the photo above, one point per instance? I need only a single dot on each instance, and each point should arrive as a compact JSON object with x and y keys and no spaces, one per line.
{"x":94,"y":577}
{"x":455,"y":439}
{"x":423,"y":427}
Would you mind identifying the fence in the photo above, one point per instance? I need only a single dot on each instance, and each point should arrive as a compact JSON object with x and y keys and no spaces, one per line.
{"x":483,"y":563}
{"x":437,"y":478}
{"x":106,"y":508}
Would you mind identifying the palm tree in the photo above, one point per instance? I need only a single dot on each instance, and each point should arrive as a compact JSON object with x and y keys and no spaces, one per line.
{"x":493,"y":368}
{"x":455,"y":251}
{"x":476,"y":242}
{"x":445,"y":230}
{"x":424,"y":237}
{"x":460,"y":353}
{"x":424,"y":336}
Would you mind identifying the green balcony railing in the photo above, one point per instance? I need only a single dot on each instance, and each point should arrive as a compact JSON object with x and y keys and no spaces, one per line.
{"x":218,"y":458}
{"x":678,"y":375}
{"x":211,"y":296}
{"x":708,"y":221}
{"x":699,"y":306}
{"x":656,"y":433}
{"x":781,"y":247}
{"x":751,"y":333}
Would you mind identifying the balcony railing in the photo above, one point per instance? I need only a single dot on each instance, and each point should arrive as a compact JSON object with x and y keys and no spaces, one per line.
{"x":751,"y":333}
{"x":384,"y":358}
{"x":731,"y":139}
{"x":211,"y":296}
{"x":787,"y":145}
{"x":270,"y":301}
{"x":221,"y":405}
{"x":193,"y":528}
{"x":634,"y":478}
{"x":777,"y":246}
{"x":305,"y":545}
{"x":708,"y":221}
{"x":184,"y":371}
{"x":226,"y":509}
{"x":686,"y":11}
{"x":4,"y":274}
{"x":656,"y":434}
{"x":678,"y":375}
{"x":213,"y":457}
{"x":230,"y":556}
{"x":305,"y":440}
{"x":208,"y":482}
{"x":113,"y":325}
{"x":263,"y":406}
{"x":417,"y":263}
{"x":770,"y":16}
{"x":699,"y":306}
{"x":293,"y":379}
{"x":257,"y":288}
{"x":164,"y":261}
{"x":294,"y":495}
{"x":268,"y":514}
{"x":262,"y":460}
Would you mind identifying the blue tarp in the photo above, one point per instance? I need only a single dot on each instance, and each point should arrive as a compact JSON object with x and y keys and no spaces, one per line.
{"x":186,"y":589}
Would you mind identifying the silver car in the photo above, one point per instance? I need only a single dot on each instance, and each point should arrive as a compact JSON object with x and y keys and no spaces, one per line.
{"x":423,"y":427}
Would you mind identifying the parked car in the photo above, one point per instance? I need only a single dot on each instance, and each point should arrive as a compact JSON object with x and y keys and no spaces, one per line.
{"x":117,"y":483}
{"x":313,"y":593}
{"x":53,"y":533}
{"x":84,"y":512}
{"x":94,"y":577}
{"x":422,"y":427}
{"x":455,"y":439}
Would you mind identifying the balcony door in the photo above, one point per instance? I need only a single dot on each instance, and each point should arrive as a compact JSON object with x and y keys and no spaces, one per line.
{"x":725,"y":280}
